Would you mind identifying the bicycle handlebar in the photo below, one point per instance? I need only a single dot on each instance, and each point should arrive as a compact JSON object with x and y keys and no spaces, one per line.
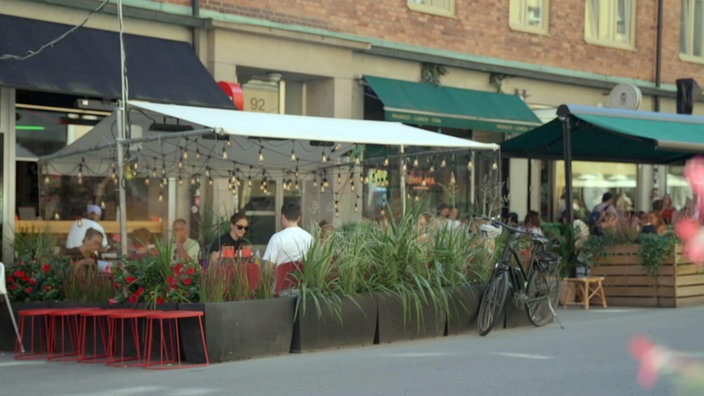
{"x":497,"y":223}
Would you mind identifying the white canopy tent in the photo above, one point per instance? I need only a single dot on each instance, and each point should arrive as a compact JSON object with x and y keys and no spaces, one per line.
{"x":167,"y":140}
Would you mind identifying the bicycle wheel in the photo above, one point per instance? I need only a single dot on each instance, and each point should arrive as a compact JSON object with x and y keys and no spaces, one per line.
{"x":541,"y":295}
{"x":492,"y":302}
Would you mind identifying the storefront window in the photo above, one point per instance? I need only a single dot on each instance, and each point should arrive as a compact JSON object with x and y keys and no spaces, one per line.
{"x":678,"y":188}
{"x":590,"y":180}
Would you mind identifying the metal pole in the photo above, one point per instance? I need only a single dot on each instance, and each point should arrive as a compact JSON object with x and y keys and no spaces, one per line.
{"x":122,"y":135}
{"x":567,"y":151}
{"x":402,"y":180}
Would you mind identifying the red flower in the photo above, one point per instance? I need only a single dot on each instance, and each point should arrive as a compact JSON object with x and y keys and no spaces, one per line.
{"x":10,"y":279}
{"x":130,"y":279}
{"x":14,"y":286}
{"x":32,"y":281}
{"x":171,"y":280}
{"x":159,"y":301}
{"x":191,"y":271}
{"x":139,"y":291}
{"x":133,"y":298}
{"x":187,"y":281}
{"x":47,"y":287}
{"x":28,"y":290}
{"x":19,"y":274}
{"x":177,"y":268}
{"x":46,"y":267}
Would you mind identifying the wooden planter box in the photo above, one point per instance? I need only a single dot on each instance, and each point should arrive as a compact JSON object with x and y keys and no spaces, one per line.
{"x":679,"y":282}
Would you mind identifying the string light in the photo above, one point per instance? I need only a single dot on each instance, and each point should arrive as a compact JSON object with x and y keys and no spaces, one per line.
{"x":261,"y":156}
{"x":224,"y":152}
{"x":494,"y":166}
{"x":228,"y":142}
{"x":46,"y":179}
{"x":415,"y":162}
{"x":293,"y":153}
{"x":184,"y":154}
{"x":146,"y":181}
{"x":80,"y":174}
{"x":339,"y":178}
{"x":325,"y":158}
{"x":432,"y":168}
{"x":443,"y":163}
{"x":207,"y":171}
{"x":357,"y":160}
{"x":469,"y":165}
{"x":180,"y":180}
{"x":198,"y":154}
{"x":386,"y":161}
{"x":161,"y":197}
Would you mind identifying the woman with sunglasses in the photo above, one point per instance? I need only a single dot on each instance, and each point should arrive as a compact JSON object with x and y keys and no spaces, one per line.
{"x":239,"y":224}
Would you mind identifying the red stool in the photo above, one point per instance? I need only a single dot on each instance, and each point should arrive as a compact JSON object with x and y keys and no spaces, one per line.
{"x":38,"y":320}
{"x":169,"y":338}
{"x":65,"y":332}
{"x":94,"y":327}
{"x":117,"y":321}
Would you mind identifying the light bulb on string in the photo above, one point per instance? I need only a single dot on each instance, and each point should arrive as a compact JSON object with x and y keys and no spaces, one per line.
{"x":356,"y":207}
{"x":249,"y":181}
{"x":315,"y":181}
{"x":494,"y":166}
{"x":164,"y":181}
{"x":207,"y":171}
{"x":443,"y":163}
{"x":404,"y":167}
{"x":351,"y":185}
{"x":261,"y":156}
{"x":415,"y":162}
{"x":198,"y":154}
{"x":228,"y":142}
{"x":180,"y":180}
{"x":46,"y":179}
{"x":193,"y":180}
{"x":184,"y":154}
{"x":339,"y":178}
{"x":386,"y":161}
{"x":357,"y":160}
{"x":325,"y":182}
{"x":210,"y":181}
{"x":293,"y":156}
{"x":161,"y":197}
{"x":154,"y":172}
{"x":469,"y":165}
{"x":325,"y":158}
{"x":80,"y":174}
{"x":432,"y":168}
{"x":296,"y":173}
{"x":224,"y":152}
{"x":146,"y":181}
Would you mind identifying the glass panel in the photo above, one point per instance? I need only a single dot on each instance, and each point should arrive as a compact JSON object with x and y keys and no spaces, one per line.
{"x":534,"y":12}
{"x":698,"y":28}
{"x":590,"y":180}
{"x":684,"y":28}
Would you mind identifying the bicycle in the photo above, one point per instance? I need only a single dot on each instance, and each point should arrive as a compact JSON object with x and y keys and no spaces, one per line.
{"x":536,"y":288}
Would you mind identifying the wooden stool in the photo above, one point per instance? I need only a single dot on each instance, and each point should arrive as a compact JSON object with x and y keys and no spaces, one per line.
{"x":587,"y":288}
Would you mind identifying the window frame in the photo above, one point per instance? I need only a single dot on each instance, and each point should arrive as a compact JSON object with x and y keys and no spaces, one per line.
{"x":591,"y":32}
{"x":518,"y":17}
{"x":687,"y":32}
{"x":448,"y":11}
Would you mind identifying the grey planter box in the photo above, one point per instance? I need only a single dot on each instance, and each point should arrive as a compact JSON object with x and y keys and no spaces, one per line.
{"x":239,"y":330}
{"x":396,"y":323}
{"x":357,"y":326}
{"x":463,"y":306}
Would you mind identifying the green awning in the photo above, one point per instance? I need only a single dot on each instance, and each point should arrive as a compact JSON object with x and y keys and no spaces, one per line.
{"x":433,"y":105}
{"x":613,"y":135}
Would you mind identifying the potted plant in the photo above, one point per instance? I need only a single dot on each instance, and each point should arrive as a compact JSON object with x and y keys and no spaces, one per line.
{"x":334,"y":307}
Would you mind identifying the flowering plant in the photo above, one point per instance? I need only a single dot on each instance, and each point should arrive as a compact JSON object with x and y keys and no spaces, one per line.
{"x":36,"y":280}
{"x":154,"y":280}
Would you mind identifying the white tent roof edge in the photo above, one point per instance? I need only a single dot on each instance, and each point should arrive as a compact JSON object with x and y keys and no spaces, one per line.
{"x":284,"y":126}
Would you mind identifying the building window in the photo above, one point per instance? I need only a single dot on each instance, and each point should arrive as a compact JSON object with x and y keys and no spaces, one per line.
{"x":437,"y":7}
{"x":692,"y":33}
{"x":610,"y":23}
{"x":529,"y":15}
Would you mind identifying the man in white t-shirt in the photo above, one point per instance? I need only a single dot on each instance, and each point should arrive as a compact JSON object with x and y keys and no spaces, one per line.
{"x":291,"y":243}
{"x":79,"y":227}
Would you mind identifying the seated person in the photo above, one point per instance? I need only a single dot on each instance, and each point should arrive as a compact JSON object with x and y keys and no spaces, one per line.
{"x":291,"y":243}
{"x":76,"y":234}
{"x":655,"y":224}
{"x":183,"y":248}
{"x":87,"y":255}
{"x":140,"y":243}
{"x":239,"y":224}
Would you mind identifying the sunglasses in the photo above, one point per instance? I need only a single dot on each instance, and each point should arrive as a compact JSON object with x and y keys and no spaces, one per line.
{"x":241,"y":227}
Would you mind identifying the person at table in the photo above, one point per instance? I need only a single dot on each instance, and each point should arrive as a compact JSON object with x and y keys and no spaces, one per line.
{"x":89,"y":220}
{"x":183,"y":248}
{"x":87,"y":254}
{"x":292,"y":242}
{"x":239,"y":225}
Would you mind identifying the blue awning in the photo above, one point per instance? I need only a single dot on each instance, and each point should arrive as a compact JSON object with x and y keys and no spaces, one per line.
{"x":86,"y":62}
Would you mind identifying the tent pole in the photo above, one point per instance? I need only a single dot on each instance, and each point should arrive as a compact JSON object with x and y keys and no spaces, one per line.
{"x":122,"y":135}
{"x":567,"y":150}
{"x":402,"y":180}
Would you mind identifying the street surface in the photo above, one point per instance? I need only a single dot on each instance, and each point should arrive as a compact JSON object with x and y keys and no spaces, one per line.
{"x":589,"y":357}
